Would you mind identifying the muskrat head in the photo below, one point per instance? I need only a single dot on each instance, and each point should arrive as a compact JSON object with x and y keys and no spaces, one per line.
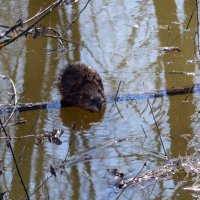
{"x":81,"y":86}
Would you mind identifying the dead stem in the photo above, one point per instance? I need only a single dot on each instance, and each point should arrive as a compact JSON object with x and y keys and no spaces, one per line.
{"x":158,"y":130}
{"x":115,"y":99}
{"x":41,"y":15}
{"x":14,"y":158}
{"x":191,"y":16}
{"x":197,"y":32}
{"x":82,"y":157}
{"x":133,"y":180}
{"x":143,"y":130}
{"x":14,"y":95}
{"x":73,"y":21}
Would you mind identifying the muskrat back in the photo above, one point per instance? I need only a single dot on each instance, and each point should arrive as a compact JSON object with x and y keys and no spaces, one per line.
{"x":81,"y":86}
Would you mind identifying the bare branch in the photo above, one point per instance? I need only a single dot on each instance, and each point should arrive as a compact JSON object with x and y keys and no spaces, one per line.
{"x":14,"y":95}
{"x":14,"y":158}
{"x":39,"y":16}
{"x":73,"y":21}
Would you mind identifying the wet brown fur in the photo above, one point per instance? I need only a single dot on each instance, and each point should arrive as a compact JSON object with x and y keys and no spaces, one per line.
{"x":81,"y":86}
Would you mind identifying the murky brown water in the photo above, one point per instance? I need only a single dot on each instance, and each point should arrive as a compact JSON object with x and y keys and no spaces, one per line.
{"x":122,"y":40}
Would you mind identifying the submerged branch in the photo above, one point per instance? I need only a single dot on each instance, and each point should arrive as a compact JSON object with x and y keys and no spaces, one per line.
{"x":7,"y":108}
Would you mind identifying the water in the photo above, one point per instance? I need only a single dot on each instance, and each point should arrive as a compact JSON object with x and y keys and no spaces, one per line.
{"x":123,"y":41}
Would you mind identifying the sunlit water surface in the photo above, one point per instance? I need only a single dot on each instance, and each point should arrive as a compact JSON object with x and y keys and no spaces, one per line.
{"x":123,"y":41}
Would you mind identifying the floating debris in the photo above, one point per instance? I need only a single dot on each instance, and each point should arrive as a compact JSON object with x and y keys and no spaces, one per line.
{"x":169,"y":49}
{"x":116,"y":172}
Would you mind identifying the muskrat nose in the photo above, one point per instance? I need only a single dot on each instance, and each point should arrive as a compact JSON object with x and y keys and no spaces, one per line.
{"x":98,"y":103}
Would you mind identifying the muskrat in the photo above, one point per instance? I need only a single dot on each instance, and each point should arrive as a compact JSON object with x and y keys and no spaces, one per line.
{"x":81,"y":86}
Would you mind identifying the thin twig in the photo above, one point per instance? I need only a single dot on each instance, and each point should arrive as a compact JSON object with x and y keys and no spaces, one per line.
{"x":197,"y":32}
{"x":133,"y":180}
{"x":47,"y":11}
{"x":118,"y":110}
{"x":67,"y":154}
{"x":59,"y":167}
{"x":82,"y":157}
{"x":116,"y":95}
{"x":37,"y":136}
{"x":115,"y":99}
{"x":73,"y":21}
{"x":153,"y":188}
{"x":143,"y":131}
{"x":13,"y":96}
{"x":158,"y":130}
{"x":15,"y":161}
{"x":39,"y":186}
{"x":19,"y":160}
{"x":191,"y":16}
{"x":13,"y":87}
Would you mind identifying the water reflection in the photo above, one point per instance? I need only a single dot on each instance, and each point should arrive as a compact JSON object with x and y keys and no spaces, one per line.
{"x":79,"y":119}
{"x":121,"y":40}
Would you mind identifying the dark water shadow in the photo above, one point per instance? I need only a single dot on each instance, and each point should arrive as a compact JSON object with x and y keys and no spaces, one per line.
{"x":79,"y":119}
